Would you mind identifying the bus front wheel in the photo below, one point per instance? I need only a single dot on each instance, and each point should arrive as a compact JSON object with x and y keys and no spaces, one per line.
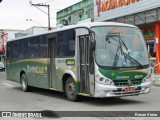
{"x":70,"y":90}
{"x":24,"y":83}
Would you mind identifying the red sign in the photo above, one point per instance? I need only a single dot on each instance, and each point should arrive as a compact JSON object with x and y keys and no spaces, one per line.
{"x":4,"y":41}
{"x":106,"y":5}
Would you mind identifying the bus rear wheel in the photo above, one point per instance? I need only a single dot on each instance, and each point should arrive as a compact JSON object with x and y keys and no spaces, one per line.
{"x":24,"y":83}
{"x":70,"y":90}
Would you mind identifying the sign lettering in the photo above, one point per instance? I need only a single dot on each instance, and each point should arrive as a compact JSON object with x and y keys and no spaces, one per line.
{"x":106,"y":5}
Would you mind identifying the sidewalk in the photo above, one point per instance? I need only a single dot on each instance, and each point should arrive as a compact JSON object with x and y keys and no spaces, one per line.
{"x":155,"y":77}
{"x":156,"y":80}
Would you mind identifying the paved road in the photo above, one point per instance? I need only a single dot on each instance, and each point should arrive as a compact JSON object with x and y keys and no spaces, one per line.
{"x":13,"y":99}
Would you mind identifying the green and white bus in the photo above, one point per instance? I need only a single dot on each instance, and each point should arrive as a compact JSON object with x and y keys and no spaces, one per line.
{"x":97,"y":59}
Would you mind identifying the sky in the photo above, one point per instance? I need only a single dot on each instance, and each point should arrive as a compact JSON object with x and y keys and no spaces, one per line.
{"x":13,"y":13}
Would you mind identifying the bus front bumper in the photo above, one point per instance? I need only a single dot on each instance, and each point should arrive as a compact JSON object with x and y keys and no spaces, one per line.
{"x":114,"y":91}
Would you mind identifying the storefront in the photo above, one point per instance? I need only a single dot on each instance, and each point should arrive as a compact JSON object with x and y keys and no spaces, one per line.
{"x":143,"y":13}
{"x":150,"y":35}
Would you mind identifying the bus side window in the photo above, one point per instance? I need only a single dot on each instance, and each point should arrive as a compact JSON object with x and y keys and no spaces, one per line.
{"x":8,"y":50}
{"x":14,"y":50}
{"x":24,"y":49}
{"x":34,"y":47}
{"x":44,"y":46}
{"x":66,"y":44}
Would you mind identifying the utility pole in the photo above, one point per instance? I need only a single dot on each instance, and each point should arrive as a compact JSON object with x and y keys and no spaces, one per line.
{"x":44,"y":5}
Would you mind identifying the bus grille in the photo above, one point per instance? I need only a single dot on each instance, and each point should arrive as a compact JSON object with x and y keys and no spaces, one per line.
{"x":122,"y":92}
{"x":125,"y":82}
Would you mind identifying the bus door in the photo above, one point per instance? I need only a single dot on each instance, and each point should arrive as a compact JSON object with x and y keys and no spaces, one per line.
{"x":52,"y":69}
{"x":84,"y":63}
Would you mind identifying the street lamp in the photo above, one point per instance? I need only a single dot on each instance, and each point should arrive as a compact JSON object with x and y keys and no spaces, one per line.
{"x":36,"y":23}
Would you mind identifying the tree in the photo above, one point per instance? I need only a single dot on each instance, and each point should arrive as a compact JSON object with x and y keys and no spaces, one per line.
{"x":0,"y":0}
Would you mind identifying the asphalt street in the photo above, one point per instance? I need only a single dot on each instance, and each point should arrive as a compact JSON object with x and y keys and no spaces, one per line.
{"x":13,"y":99}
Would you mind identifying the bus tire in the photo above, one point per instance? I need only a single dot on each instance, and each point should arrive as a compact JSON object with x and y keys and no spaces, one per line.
{"x":24,"y":83}
{"x":70,"y":90}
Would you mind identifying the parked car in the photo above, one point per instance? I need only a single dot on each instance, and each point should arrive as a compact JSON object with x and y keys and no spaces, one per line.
{"x":2,"y":67}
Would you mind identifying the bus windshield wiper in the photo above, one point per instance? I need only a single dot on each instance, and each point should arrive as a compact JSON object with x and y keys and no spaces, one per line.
{"x":126,"y":55}
{"x":116,"y":57}
{"x":132,"y":59}
{"x":120,"y":49}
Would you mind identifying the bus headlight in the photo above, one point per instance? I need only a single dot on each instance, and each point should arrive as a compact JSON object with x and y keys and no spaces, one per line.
{"x":105,"y":81}
{"x":147,"y":78}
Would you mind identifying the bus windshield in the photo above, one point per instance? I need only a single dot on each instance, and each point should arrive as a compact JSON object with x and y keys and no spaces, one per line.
{"x":118,"y":46}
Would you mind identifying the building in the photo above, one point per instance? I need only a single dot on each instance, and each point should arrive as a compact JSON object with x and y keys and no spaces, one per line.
{"x":81,"y":11}
{"x":143,"y":13}
{"x":5,"y":35}
{"x":35,"y":30}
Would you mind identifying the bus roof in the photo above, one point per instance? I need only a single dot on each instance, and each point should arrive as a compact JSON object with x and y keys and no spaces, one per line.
{"x":87,"y":25}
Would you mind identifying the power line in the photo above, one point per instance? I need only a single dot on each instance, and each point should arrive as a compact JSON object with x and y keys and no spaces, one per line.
{"x":40,"y":9}
{"x":36,"y":23}
{"x":43,"y":5}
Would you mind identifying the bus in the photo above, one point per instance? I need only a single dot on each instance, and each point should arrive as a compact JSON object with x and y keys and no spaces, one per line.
{"x":96,"y":59}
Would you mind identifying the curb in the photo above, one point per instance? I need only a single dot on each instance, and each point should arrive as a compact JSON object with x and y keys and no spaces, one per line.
{"x":156,"y":83}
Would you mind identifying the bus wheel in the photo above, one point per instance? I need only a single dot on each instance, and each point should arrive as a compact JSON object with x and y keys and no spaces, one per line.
{"x":24,"y":83}
{"x":70,"y":90}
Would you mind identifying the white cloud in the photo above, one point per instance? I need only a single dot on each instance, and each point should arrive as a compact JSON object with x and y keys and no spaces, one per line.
{"x":15,"y":12}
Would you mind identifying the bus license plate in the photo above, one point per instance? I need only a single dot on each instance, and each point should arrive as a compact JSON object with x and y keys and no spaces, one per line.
{"x":129,"y":89}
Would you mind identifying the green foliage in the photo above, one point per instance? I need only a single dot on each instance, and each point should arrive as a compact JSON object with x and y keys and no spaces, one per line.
{"x":149,"y":34}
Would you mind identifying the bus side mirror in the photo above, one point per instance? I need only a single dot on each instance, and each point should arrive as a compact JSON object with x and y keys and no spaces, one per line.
{"x":92,"y":45}
{"x":91,"y":60}
{"x":92,"y":41}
